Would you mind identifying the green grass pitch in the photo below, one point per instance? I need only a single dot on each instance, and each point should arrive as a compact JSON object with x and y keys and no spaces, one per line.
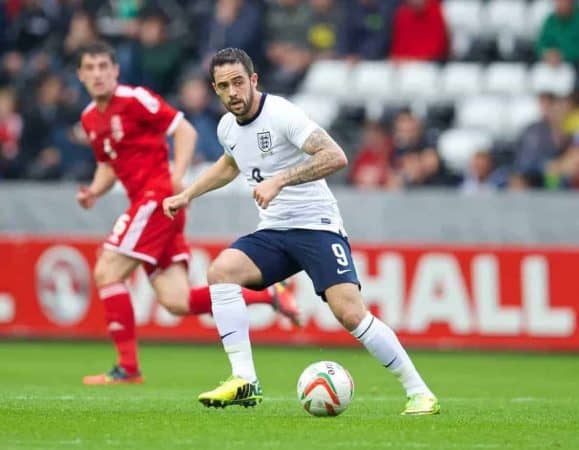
{"x":489,"y":401}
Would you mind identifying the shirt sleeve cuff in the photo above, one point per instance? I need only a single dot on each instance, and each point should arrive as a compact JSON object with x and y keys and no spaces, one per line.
{"x":173,"y":125}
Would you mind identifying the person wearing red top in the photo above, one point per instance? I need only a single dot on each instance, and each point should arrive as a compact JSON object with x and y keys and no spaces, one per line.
{"x":127,"y":128}
{"x":420,"y":32}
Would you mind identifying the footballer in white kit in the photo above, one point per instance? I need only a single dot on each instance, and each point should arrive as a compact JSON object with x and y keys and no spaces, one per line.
{"x":284,"y":156}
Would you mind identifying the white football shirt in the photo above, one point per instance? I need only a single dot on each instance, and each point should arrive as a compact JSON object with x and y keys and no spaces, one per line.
{"x":270,"y":143}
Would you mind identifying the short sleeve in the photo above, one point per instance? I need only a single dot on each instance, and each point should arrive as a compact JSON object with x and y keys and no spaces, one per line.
{"x":296,"y":125}
{"x":221,"y":136}
{"x":156,"y":112}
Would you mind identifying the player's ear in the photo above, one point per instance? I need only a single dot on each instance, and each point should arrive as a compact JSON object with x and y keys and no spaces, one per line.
{"x":254,"y":78}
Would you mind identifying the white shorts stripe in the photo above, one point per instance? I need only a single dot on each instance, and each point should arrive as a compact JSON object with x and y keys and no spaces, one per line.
{"x":180,"y":257}
{"x":111,"y":290}
{"x":137,"y":225}
{"x":132,"y":254}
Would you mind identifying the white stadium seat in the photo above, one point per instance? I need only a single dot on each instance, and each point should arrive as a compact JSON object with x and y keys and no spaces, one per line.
{"x":457,"y":146}
{"x":458,"y":80}
{"x":328,"y":78}
{"x":506,"y":79}
{"x":372,"y":81}
{"x":417,"y":81}
{"x":504,"y":16}
{"x":321,"y":109}
{"x":537,"y":13}
{"x":521,"y":112}
{"x":463,"y":16}
{"x":558,"y":80}
{"x":483,"y":112}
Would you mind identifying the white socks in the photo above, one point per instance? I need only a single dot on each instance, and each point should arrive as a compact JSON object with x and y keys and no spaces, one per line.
{"x":230,"y":315}
{"x":383,"y":344}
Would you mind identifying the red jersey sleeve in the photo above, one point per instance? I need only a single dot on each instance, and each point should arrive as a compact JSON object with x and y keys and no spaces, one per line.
{"x":98,"y":152}
{"x":155,"y":112}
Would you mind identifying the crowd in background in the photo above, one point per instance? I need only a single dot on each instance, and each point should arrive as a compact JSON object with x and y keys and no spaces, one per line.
{"x":166,"y":45}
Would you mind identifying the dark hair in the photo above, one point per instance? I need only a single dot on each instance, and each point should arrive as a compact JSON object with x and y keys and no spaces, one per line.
{"x":231,"y":56}
{"x":96,"y":48}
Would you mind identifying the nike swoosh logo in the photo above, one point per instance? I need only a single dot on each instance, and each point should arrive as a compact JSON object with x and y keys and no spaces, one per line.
{"x":340,"y":271}
{"x":227,"y":334}
{"x":232,"y":147}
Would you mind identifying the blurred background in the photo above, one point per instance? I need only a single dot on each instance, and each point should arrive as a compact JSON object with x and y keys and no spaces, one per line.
{"x":460,"y":119}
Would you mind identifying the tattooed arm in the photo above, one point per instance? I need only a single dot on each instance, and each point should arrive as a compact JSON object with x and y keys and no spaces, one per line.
{"x":327,"y":158}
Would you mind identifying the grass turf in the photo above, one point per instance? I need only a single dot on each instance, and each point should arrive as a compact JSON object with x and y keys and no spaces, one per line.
{"x":489,"y":401}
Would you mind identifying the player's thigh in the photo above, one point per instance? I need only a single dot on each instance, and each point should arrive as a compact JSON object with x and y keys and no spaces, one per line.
{"x":112,"y":267}
{"x":171,"y":286}
{"x":234,"y":266}
{"x":267,"y":253}
{"x":325,"y":256}
{"x":345,"y":301}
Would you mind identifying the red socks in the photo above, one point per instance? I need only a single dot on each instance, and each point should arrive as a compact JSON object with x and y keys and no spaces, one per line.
{"x":121,"y":324}
{"x":200,"y":299}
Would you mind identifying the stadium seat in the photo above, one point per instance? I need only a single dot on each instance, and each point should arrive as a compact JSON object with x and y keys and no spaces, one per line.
{"x":330,"y":78}
{"x":321,"y":109}
{"x":537,"y":13}
{"x":458,"y":80}
{"x":417,"y":81}
{"x":483,"y":112}
{"x":456,"y":147}
{"x":463,"y":16}
{"x":506,"y":79}
{"x":372,"y":81}
{"x":559,"y":80}
{"x":500,"y":16}
{"x":522,"y":111}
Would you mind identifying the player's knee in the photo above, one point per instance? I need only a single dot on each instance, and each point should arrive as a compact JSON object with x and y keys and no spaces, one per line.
{"x":103,"y":275}
{"x":219,"y":272}
{"x":176,"y":305}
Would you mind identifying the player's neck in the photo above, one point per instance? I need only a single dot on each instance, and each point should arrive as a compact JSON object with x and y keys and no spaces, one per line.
{"x":102,"y":102}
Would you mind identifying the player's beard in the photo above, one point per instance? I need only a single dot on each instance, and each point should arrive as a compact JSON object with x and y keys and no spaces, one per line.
{"x":246,"y":105}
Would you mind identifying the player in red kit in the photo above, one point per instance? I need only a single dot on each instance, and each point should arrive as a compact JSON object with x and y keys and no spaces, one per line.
{"x":127,"y":128}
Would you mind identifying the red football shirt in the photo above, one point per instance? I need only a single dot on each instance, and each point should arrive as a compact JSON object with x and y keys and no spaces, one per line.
{"x":131,"y":135}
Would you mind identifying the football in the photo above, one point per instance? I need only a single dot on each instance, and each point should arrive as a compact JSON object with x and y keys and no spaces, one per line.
{"x":325,"y":388}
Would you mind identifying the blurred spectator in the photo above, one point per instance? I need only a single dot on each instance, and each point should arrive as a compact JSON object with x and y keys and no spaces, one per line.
{"x":10,"y":134}
{"x":31,"y":28}
{"x":372,"y":163}
{"x":420,"y":32}
{"x":235,"y":23}
{"x":366,"y":31}
{"x":479,"y":177}
{"x":571,"y":123}
{"x":563,"y":172}
{"x":559,"y":36}
{"x":195,"y":102}
{"x":156,"y":58}
{"x":81,"y":31}
{"x":117,"y":18}
{"x":327,"y":15}
{"x":287,"y":43}
{"x":408,"y":134}
{"x":543,"y":140}
{"x":11,"y":70}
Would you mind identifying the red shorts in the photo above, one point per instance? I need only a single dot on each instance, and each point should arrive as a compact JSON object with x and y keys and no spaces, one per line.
{"x":143,"y":232}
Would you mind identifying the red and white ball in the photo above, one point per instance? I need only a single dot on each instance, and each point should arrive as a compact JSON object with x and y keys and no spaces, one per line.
{"x":325,"y":388}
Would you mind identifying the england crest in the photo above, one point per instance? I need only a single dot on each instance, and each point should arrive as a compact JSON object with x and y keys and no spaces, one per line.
{"x":264,"y":141}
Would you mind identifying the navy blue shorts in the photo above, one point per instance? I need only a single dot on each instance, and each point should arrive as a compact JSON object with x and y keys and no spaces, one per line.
{"x":325,"y":256}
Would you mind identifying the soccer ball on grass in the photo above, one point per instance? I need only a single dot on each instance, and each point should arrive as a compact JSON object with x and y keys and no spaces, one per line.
{"x":325,"y":388}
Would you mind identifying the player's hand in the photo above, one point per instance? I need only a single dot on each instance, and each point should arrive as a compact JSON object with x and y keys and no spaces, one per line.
{"x":85,"y":197}
{"x":266,"y":191}
{"x":171,"y":205}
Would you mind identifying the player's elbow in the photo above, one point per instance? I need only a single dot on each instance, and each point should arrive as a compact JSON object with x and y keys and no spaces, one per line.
{"x":341,"y":160}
